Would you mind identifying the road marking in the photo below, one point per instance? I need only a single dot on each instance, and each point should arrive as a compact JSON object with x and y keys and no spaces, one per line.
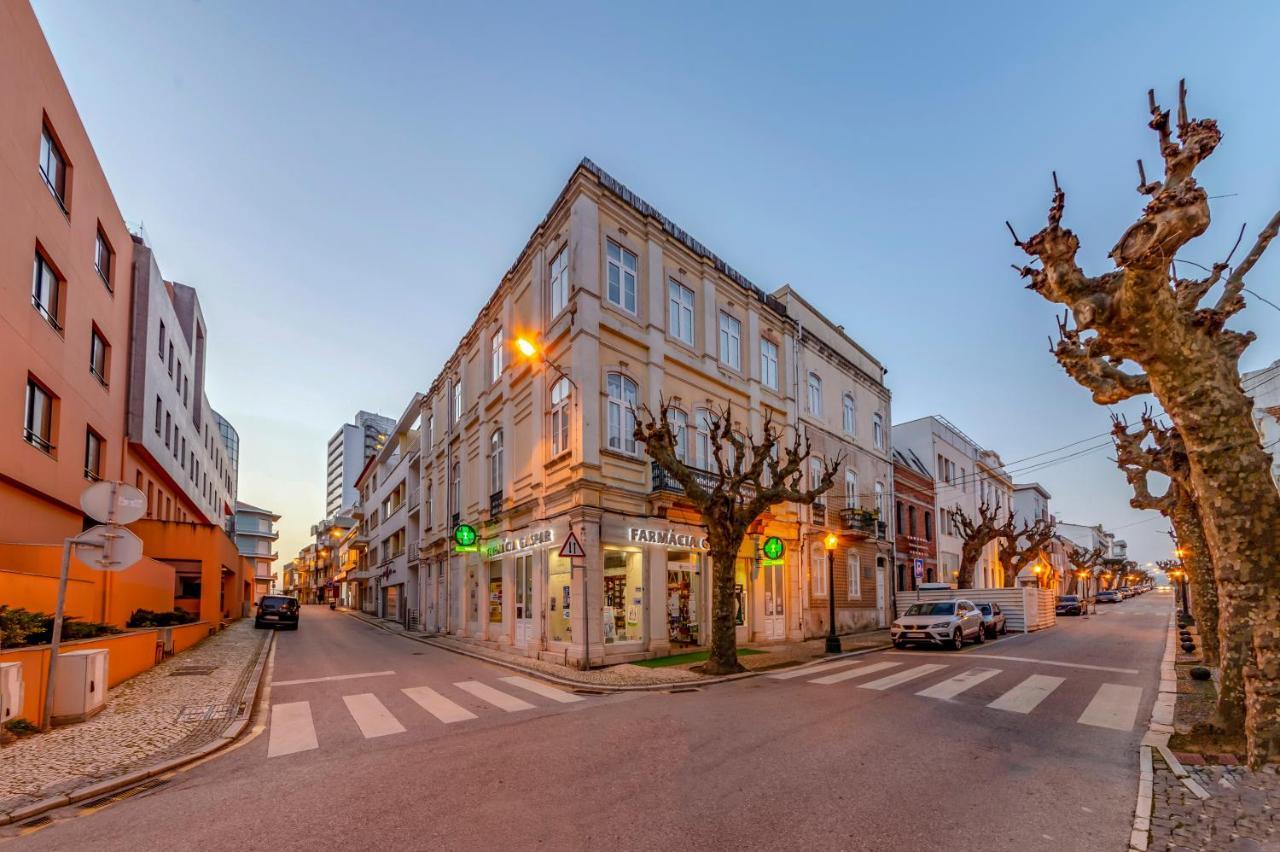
{"x":951,"y":687}
{"x":848,"y":675}
{"x":331,"y":677}
{"x":1024,"y":697}
{"x":1024,"y":660}
{"x":498,"y":699}
{"x":823,"y":667}
{"x":374,"y":719}
{"x":291,"y":729}
{"x":437,"y":705}
{"x":542,"y":689}
{"x":902,"y":677}
{"x":1114,"y":706}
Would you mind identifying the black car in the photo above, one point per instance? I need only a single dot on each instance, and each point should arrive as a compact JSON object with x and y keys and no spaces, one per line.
{"x":1070,"y":605}
{"x":1108,"y":596}
{"x":277,"y":611}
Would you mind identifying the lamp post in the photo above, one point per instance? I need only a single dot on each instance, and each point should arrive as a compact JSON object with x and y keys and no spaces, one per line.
{"x":833,"y":641}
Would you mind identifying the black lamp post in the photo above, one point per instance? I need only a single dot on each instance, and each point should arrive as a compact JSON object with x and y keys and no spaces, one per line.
{"x":833,"y":641}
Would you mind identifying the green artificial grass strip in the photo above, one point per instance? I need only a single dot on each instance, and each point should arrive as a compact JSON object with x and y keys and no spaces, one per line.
{"x":695,"y":657}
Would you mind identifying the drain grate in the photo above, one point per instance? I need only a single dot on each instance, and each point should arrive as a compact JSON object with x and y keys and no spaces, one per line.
{"x":680,"y":689}
{"x":192,"y":670}
{"x":124,"y":794}
{"x":37,"y":822}
{"x":588,"y":692}
{"x":207,"y":712}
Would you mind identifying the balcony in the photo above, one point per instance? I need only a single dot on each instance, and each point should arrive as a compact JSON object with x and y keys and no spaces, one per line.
{"x":818,"y":514}
{"x":662,"y":481}
{"x":495,"y":504}
{"x":863,"y":522}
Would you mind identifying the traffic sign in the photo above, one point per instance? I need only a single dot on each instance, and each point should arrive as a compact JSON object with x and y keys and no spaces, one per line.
{"x":107,"y":547}
{"x":572,"y":548}
{"x":113,"y":502}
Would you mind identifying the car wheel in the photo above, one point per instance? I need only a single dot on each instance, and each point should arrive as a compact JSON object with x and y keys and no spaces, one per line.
{"x":899,"y":644}
{"x":1004,"y":628}
{"x":957,"y":640}
{"x":981,"y":634}
{"x":257,"y":625}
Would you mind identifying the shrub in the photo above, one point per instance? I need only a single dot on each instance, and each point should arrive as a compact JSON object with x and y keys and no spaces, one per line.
{"x":147,"y":618}
{"x":20,"y":627}
{"x":20,"y":727}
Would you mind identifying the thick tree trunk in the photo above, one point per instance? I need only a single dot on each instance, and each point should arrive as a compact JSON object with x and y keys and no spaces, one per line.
{"x":724,"y":634}
{"x":1240,"y":510}
{"x":1196,"y":562}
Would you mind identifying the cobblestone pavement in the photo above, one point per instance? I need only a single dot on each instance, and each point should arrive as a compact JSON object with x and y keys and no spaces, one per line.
{"x":1241,"y":815}
{"x":149,"y":718}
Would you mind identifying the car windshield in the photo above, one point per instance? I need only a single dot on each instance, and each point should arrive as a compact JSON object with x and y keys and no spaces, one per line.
{"x":276,"y":600}
{"x":986,"y":608}
{"x":932,"y":609}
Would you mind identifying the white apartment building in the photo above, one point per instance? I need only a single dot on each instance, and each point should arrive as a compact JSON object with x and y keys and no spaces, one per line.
{"x":255,"y":535}
{"x":350,"y":447}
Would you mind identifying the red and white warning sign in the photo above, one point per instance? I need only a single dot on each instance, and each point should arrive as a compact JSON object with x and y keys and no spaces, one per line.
{"x":572,"y":548}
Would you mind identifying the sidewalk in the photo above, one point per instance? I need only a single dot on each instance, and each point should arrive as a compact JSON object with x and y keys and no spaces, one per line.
{"x":164,"y":713}
{"x":775,"y":655}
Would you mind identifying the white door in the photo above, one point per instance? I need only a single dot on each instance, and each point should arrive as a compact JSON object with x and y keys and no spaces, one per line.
{"x":524,"y":600}
{"x":880,"y":582}
{"x":775,"y":621}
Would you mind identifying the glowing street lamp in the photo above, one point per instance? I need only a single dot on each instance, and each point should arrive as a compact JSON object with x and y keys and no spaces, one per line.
{"x":530,"y":350}
{"x":833,"y":641}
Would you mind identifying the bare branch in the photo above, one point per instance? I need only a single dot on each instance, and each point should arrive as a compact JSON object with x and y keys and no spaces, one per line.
{"x":1085,"y":361}
{"x":1231,"y":301}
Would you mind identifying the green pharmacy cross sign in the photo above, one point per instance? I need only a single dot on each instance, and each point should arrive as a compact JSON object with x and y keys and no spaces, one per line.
{"x":464,"y":538}
{"x":773,"y":550}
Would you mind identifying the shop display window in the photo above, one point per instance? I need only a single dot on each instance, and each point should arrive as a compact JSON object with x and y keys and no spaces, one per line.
{"x":684,"y":591}
{"x":495,"y":592}
{"x":623,"y":614}
{"x":558,"y":599}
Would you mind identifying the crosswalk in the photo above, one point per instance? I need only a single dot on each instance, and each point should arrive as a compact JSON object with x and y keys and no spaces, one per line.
{"x":292,"y":727}
{"x":1113,"y":706}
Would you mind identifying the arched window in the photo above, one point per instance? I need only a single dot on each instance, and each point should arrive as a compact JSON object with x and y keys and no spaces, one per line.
{"x":877,"y":427}
{"x":815,"y":395}
{"x":702,"y":439}
{"x":850,"y":489}
{"x":495,"y":462}
{"x":815,"y":472}
{"x":880,"y":499}
{"x":560,"y":417}
{"x":621,"y":413}
{"x":680,"y":429}
{"x":850,"y":421}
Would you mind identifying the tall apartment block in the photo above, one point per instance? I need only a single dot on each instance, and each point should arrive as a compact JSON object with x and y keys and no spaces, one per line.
{"x":349,"y":448}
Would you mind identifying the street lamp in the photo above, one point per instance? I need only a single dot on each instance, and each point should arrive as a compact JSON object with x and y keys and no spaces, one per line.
{"x":833,"y":641}
{"x":530,"y":350}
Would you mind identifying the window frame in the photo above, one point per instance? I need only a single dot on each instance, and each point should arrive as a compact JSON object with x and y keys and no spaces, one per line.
{"x":877,"y":430}
{"x":849,"y":414}
{"x":41,"y":439}
{"x":100,"y":243}
{"x":818,"y":571}
{"x":678,"y":311}
{"x":679,"y":421}
{"x":58,"y":186}
{"x":851,"y":493}
{"x":41,"y":265}
{"x":625,"y":411}
{"x":91,"y":436}
{"x":621,"y":266}
{"x":768,"y":364}
{"x":560,"y":396}
{"x":703,"y":451}
{"x":853,"y":574}
{"x":814,"y":385}
{"x":558,"y":282}
{"x":497,"y":359}
{"x":496,"y":472}
{"x":98,"y":344}
{"x":725,"y":337}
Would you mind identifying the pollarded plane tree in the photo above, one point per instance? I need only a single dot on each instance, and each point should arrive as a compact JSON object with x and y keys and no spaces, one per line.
{"x":975,"y":534}
{"x":1084,"y":562}
{"x":1141,"y":328}
{"x":1021,"y":547}
{"x":751,"y":474}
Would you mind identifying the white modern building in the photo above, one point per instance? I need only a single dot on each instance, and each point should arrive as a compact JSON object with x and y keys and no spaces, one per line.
{"x":256,"y":535}
{"x":349,"y":448}
{"x":1264,"y":386}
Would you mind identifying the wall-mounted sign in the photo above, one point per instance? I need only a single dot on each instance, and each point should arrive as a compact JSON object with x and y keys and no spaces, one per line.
{"x":572,"y":548}
{"x":464,"y":538}
{"x":646,"y":535}
{"x":516,"y":543}
{"x":773,"y":549}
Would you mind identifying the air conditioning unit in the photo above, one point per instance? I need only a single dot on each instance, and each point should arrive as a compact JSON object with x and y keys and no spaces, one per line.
{"x":80,"y":690}
{"x":10,"y":691}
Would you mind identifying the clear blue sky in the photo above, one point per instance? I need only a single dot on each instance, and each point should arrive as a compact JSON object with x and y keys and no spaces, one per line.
{"x":345,"y":183}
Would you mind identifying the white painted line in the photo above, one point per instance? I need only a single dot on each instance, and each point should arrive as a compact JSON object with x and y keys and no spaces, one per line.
{"x":545,"y":690}
{"x":1024,"y":697}
{"x":291,"y":729}
{"x":498,"y":699}
{"x":1114,"y":706}
{"x":808,"y":670}
{"x":374,"y":719}
{"x":902,"y":677}
{"x":849,"y":675}
{"x":1025,"y":660}
{"x":951,"y":687}
{"x":331,"y":677}
{"x":437,"y":705}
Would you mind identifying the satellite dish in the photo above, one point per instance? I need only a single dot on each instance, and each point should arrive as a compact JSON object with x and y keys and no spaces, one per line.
{"x":113,"y":502}
{"x":108,"y":548}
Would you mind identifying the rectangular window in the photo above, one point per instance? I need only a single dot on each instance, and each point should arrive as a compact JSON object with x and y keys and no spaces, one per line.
{"x":163,"y":340}
{"x":170,"y":360}
{"x":769,"y":363}
{"x":560,"y":417}
{"x":38,"y":422}
{"x":99,"y":355}
{"x":558,"y":285}
{"x":53,"y":167}
{"x":853,"y":565}
{"x":680,"y":311}
{"x":621,"y":289}
{"x":46,"y":291}
{"x":158,"y":413}
{"x":496,"y":353}
{"x":92,"y":455}
{"x":818,"y":571}
{"x":168,"y":428}
{"x":730,"y":341}
{"x":102,"y":258}
{"x":457,"y":401}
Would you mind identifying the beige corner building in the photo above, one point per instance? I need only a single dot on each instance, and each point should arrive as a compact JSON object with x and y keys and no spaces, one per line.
{"x":624,"y":307}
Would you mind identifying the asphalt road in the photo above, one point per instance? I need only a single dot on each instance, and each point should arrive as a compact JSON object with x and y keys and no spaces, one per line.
{"x":1029,"y":743}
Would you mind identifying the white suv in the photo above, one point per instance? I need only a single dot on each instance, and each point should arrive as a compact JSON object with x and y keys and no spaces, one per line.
{"x":947,"y":623}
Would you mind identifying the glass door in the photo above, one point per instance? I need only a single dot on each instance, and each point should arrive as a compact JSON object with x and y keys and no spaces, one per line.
{"x":775,"y":623}
{"x":524,"y":600}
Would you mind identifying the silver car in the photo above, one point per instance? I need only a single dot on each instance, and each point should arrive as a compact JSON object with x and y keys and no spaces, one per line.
{"x":945,"y":623}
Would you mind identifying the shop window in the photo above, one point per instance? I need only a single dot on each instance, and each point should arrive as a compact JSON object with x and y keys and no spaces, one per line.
{"x":684,"y":592}
{"x":559,"y":582}
{"x":495,"y":592}
{"x":623,"y":614}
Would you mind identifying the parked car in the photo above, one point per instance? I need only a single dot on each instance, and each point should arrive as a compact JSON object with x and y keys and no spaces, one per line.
{"x":277,"y":611}
{"x":993,"y":619}
{"x":1126,"y":592}
{"x":947,"y":623}
{"x":1107,"y":596}
{"x":1070,"y":605}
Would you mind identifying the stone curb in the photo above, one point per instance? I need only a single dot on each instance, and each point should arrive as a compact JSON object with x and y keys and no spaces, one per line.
{"x":602,"y":687}
{"x":137,"y":776}
{"x":1157,"y":737}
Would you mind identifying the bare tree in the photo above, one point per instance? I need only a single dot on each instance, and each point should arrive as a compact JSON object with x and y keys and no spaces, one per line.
{"x":1086,"y":561}
{"x":1019,"y":548}
{"x":1143,"y":313}
{"x":751,"y":475}
{"x":975,"y":534}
